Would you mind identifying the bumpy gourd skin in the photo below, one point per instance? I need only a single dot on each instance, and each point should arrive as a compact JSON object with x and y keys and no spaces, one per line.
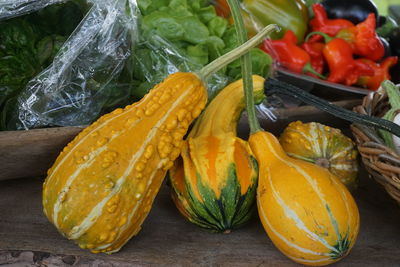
{"x":325,"y":146}
{"x":307,"y":212}
{"x":102,"y":185}
{"x":214,"y":181}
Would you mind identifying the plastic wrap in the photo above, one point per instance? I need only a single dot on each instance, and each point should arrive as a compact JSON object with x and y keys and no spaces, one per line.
{"x":114,"y":57}
{"x":14,"y":8}
{"x":94,"y":71}
{"x":83,"y":76}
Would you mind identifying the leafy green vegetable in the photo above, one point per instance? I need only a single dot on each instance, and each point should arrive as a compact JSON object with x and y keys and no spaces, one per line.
{"x":261,"y":64}
{"x":218,"y":26}
{"x":27,"y":46}
{"x":174,"y":35}
{"x":192,"y":35}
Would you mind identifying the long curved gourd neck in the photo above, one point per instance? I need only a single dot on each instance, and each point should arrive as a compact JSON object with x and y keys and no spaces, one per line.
{"x":266,"y":146}
{"x":222,"y":114}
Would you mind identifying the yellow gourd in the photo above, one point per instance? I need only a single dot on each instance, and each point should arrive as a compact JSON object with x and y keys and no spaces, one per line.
{"x":101,"y":187}
{"x":214,"y":181}
{"x":307,"y":212}
{"x":324,"y":146}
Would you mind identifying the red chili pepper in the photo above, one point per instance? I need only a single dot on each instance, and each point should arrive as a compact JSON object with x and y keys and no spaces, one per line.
{"x":222,"y":8}
{"x":342,"y":66}
{"x":321,"y":22}
{"x":314,"y":49}
{"x":289,"y":55}
{"x":361,"y":68}
{"x":364,"y":40}
{"x":381,"y":73}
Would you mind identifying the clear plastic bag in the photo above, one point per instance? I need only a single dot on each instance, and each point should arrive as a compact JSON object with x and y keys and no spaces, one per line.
{"x":15,"y":8}
{"x":83,"y":76}
{"x":111,"y":60}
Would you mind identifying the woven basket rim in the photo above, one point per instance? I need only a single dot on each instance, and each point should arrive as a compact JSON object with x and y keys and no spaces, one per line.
{"x":381,"y":161}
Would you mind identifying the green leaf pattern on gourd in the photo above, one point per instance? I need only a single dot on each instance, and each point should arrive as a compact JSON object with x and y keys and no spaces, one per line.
{"x":230,"y":211}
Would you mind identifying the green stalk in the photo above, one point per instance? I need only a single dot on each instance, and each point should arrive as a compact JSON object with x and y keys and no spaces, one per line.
{"x":224,"y":60}
{"x":245,"y":62}
{"x":246,"y":66}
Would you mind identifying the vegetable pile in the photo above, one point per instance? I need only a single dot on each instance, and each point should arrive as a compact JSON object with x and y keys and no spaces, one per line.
{"x":336,"y":49}
{"x":172,"y":35}
{"x":195,"y":34}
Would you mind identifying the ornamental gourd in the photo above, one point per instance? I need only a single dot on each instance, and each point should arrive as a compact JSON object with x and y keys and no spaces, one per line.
{"x":307,"y":212}
{"x":324,"y":146}
{"x":214,"y":181}
{"x":102,"y":185}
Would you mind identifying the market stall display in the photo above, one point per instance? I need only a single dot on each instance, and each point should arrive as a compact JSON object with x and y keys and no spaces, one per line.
{"x":156,"y":91}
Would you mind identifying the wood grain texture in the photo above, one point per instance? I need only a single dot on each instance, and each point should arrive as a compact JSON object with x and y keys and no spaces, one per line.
{"x":28,"y":239}
{"x":31,"y":153}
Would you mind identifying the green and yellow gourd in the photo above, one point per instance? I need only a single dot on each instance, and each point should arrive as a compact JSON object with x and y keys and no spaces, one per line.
{"x":324,"y":146}
{"x":214,"y":181}
{"x":102,"y":185}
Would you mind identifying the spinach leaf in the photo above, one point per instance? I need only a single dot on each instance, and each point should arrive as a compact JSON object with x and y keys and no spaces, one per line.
{"x":190,"y":36}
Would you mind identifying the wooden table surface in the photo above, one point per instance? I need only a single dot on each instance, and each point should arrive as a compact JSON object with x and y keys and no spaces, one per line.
{"x":28,"y":239}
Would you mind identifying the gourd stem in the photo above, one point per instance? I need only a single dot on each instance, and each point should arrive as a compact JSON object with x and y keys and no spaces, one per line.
{"x":273,"y":86}
{"x":224,"y":60}
{"x":245,"y":62}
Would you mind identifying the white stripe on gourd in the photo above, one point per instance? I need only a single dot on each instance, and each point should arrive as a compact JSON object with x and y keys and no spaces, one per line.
{"x":72,"y":178}
{"x":341,"y":153}
{"x":135,"y":207}
{"x":91,"y":218}
{"x":346,"y":201}
{"x":284,"y":239}
{"x":291,"y":214}
{"x":307,"y":177}
{"x":69,"y":152}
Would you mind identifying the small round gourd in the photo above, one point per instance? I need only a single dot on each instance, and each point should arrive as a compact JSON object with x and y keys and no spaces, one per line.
{"x":324,"y":146}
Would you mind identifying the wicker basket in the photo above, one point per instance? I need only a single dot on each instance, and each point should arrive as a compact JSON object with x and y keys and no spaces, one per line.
{"x":380,"y":161}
